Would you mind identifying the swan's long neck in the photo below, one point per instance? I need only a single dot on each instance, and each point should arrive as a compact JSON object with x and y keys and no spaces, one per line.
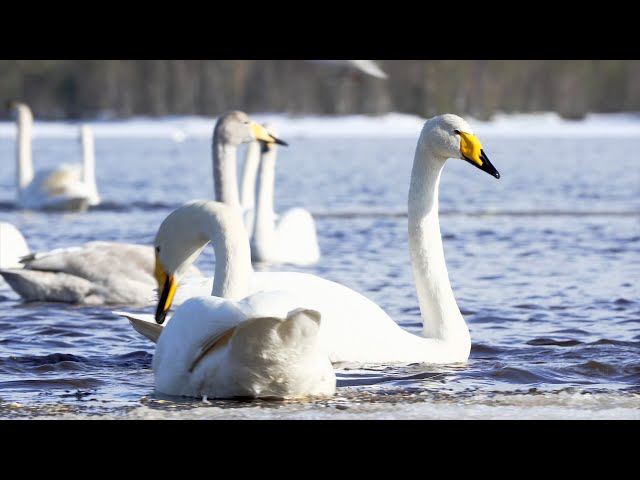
{"x":441,"y":316}
{"x":88,"y":155}
{"x":264,"y":225}
{"x":249,"y":171}
{"x":224,"y":171}
{"x":24,"y":162}
{"x":233,"y":257}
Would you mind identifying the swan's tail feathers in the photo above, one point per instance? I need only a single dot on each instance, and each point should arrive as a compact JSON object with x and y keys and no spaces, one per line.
{"x":40,"y":286}
{"x":144,"y":324}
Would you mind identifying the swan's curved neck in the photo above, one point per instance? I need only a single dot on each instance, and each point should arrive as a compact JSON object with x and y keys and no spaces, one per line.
{"x":24,"y":162}
{"x":249,"y":171}
{"x":225,"y":230}
{"x":264,"y":224}
{"x":224,"y":171}
{"x":88,"y":156}
{"x":440,"y":314}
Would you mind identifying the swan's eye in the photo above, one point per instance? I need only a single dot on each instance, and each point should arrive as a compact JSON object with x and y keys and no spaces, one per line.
{"x":157,"y":249}
{"x":456,"y":131}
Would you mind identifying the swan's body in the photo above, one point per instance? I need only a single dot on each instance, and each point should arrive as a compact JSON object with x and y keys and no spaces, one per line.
{"x":232,"y":344}
{"x":353,"y":328}
{"x":288,"y":238}
{"x":66,"y":187}
{"x":13,"y":246}
{"x":91,"y":274}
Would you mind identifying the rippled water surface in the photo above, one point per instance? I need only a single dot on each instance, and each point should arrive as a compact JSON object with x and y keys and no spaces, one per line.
{"x":544,"y":264}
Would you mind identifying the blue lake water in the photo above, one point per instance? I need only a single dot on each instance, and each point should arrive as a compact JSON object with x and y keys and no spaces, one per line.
{"x":544,"y":264}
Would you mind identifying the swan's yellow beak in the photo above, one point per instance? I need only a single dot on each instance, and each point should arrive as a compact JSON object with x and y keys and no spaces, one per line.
{"x":167,"y":287}
{"x":471,"y":151}
{"x":262,"y":134}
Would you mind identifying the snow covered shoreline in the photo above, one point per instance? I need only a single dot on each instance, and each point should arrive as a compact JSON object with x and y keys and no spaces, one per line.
{"x":392,"y":125}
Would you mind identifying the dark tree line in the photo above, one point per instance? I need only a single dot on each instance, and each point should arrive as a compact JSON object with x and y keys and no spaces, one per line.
{"x":77,"y":89}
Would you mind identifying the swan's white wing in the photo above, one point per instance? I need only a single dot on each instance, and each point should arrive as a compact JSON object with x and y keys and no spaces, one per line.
{"x":213,"y":347}
{"x":186,"y":338}
{"x":143,"y":323}
{"x":13,"y":246}
{"x":62,"y":180}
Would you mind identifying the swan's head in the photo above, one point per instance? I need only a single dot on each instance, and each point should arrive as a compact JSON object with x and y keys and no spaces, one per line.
{"x":180,"y":239}
{"x":450,"y":136}
{"x":235,"y":128}
{"x":21,"y":109}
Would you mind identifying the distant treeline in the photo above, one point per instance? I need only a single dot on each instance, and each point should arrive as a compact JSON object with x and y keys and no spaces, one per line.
{"x":74,"y":89}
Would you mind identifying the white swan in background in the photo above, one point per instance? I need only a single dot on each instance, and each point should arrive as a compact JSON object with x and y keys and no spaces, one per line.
{"x":231,"y":344}
{"x":94,"y":273}
{"x":13,"y":246}
{"x":353,"y":328}
{"x":66,"y":187}
{"x":231,"y":130}
{"x":290,"y":238}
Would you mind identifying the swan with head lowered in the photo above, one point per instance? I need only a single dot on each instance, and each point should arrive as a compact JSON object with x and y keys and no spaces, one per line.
{"x":66,"y":187}
{"x":355,"y":329}
{"x":232,"y":343}
{"x":287,"y":238}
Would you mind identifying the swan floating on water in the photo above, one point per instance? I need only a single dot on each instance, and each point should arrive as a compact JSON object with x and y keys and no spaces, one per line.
{"x":353,"y":328}
{"x":232,"y":343}
{"x":66,"y":187}
{"x":287,"y":238}
{"x":94,"y":273}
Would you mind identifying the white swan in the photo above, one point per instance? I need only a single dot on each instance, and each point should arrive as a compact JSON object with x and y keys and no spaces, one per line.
{"x":289,"y":238}
{"x":94,"y":273}
{"x":231,"y":130}
{"x":353,"y":328}
{"x":231,"y":344}
{"x":13,"y":246}
{"x":66,"y":187}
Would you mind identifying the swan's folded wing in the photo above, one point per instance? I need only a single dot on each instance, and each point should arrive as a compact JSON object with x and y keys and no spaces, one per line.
{"x":143,"y":323}
{"x":98,"y":261}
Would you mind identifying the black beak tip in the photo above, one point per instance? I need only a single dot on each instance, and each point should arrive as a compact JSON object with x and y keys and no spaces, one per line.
{"x":496,"y":174}
{"x":281,"y":142}
{"x":160,"y":317}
